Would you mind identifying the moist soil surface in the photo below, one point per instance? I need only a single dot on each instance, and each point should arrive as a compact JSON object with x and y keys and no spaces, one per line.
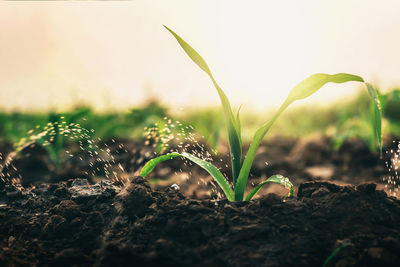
{"x":76,"y":223}
{"x":299,"y":159}
{"x":64,"y":218}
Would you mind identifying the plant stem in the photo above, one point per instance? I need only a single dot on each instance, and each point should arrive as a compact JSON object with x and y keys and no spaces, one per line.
{"x":255,"y":143}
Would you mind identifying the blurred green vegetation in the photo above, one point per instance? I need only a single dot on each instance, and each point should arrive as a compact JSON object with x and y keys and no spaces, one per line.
{"x":14,"y":126}
{"x":342,"y":120}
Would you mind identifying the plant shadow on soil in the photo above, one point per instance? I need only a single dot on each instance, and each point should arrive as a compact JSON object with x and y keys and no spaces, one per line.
{"x":75,"y":222}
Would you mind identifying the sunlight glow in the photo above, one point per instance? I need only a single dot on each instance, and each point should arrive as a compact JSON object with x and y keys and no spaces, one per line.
{"x":113,"y":55}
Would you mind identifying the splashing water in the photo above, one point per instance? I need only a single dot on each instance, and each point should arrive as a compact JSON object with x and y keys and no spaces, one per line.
{"x":393,"y":166}
{"x":68,"y":145}
{"x":171,"y":136}
{"x":6,"y":162}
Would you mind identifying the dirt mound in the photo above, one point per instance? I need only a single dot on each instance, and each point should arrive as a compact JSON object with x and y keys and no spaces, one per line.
{"x":75,"y":223}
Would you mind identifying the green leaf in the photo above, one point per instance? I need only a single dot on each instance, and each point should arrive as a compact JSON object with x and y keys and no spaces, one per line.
{"x":239,"y":126}
{"x":233,"y":134}
{"x":373,"y":93}
{"x":302,"y":90}
{"x":334,"y":253}
{"x":151,"y":164}
{"x":191,"y":52}
{"x":313,"y":83}
{"x":211,"y":169}
{"x":278,"y":179}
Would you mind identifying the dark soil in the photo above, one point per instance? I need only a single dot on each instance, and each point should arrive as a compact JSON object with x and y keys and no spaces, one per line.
{"x":75,"y":223}
{"x":301,"y":160}
{"x":58,"y":219}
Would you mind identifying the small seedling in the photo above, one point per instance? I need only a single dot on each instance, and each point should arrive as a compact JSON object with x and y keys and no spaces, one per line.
{"x":241,"y":169}
{"x":334,"y":253}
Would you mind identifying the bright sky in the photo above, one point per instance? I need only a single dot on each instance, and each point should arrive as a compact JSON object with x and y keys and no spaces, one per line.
{"x":117,"y":54}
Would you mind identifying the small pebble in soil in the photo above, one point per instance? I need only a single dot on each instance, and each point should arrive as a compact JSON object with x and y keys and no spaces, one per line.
{"x":175,"y":187}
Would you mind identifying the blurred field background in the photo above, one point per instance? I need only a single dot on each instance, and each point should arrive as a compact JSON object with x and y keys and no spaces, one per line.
{"x":112,"y":67}
{"x":340,"y":121}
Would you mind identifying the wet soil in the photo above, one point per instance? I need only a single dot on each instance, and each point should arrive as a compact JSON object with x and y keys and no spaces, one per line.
{"x":75,"y":223}
{"x":301,"y":160}
{"x":65,"y":217}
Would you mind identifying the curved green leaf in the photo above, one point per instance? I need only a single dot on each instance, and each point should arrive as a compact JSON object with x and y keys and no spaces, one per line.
{"x":334,"y":253}
{"x":313,"y":83}
{"x":233,"y":130}
{"x":278,"y":179}
{"x":211,"y":169}
{"x":373,"y":93}
{"x":302,"y":90}
{"x":151,"y":164}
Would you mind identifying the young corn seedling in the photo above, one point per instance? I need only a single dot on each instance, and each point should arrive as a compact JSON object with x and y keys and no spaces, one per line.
{"x":241,"y":169}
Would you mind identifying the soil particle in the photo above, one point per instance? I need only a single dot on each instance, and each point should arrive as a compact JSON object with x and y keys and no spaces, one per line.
{"x":144,"y":227}
{"x":82,"y":191}
{"x":135,"y":198}
{"x":61,"y":192}
{"x":320,"y":192}
{"x":54,"y":225}
{"x":367,"y":188}
{"x":310,"y":151}
{"x":307,"y":189}
{"x":66,"y":208}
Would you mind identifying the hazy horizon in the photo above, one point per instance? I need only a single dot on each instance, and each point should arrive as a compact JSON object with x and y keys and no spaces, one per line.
{"x":114,"y":55}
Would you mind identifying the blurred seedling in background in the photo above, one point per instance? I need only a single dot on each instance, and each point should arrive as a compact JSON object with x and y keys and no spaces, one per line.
{"x":391,"y":110}
{"x":159,"y":134}
{"x":241,"y":168}
{"x":208,"y":123}
{"x":67,"y":145}
{"x":355,"y":120}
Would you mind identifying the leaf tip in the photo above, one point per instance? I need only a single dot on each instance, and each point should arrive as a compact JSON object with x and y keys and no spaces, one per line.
{"x":168,"y":29}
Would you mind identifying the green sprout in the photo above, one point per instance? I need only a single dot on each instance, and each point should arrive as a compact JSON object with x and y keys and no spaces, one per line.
{"x":334,"y":253}
{"x":241,"y":169}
